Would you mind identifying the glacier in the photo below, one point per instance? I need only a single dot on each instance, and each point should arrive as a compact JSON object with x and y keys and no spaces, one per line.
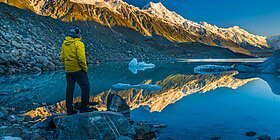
{"x":134,"y":66}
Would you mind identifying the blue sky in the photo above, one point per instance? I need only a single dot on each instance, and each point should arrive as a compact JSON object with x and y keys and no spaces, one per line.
{"x":260,"y":17}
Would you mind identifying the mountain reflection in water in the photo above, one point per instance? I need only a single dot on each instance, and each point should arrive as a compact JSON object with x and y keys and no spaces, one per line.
{"x":176,"y":80}
{"x":229,"y":100}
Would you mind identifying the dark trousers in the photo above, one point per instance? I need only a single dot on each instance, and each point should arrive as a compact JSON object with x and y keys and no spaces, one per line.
{"x":81,"y":78}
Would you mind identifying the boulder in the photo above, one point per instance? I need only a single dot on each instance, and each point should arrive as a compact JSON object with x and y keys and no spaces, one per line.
{"x":93,"y":125}
{"x":12,"y":118}
{"x":216,"y":138}
{"x":1,"y":70}
{"x":5,"y":58}
{"x":3,"y":113}
{"x":11,"y":131}
{"x":144,"y":132}
{"x":264,"y":137}
{"x":47,"y":123}
{"x":116,"y":103}
{"x":250,"y":133}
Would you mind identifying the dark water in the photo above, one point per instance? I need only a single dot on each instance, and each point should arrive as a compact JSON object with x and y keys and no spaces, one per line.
{"x":194,"y":106}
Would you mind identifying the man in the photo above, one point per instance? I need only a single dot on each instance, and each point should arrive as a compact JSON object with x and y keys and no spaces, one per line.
{"x":74,"y":60}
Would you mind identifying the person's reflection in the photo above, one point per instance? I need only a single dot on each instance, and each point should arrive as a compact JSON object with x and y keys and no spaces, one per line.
{"x":271,"y":79}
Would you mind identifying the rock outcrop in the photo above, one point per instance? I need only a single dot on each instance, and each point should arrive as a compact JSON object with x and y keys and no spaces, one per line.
{"x":93,"y":125}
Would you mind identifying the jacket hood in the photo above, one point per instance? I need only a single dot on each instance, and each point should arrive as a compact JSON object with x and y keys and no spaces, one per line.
{"x":69,"y":40}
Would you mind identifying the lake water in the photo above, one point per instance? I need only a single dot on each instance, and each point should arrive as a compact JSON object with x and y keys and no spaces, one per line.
{"x":194,"y":106}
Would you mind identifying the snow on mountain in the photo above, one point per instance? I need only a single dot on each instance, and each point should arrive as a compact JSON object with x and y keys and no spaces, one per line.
{"x":235,"y":33}
{"x":154,"y":18}
{"x":159,"y":11}
{"x":111,"y":4}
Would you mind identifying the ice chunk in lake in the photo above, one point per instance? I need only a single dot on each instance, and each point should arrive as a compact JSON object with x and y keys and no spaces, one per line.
{"x":134,"y":66}
{"x":148,"y":87}
{"x":212,"y":69}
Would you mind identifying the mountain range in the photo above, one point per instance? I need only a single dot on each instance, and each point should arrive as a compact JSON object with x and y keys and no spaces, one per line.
{"x":153,"y":19}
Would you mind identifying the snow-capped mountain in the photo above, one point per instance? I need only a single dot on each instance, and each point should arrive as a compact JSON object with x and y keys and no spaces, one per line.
{"x":153,"y":19}
{"x":234,"y":33}
{"x":159,"y":11}
{"x":274,"y":41}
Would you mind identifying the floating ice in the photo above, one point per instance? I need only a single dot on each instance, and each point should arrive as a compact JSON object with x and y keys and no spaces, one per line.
{"x":148,"y":87}
{"x":212,"y":69}
{"x":134,"y":66}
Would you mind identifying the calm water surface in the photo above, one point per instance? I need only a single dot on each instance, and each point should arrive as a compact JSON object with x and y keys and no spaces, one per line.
{"x":194,"y":106}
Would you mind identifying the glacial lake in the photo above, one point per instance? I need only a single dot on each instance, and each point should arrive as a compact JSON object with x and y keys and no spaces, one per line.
{"x":194,"y":106}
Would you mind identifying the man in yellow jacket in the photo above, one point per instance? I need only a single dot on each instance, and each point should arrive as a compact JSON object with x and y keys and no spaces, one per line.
{"x":73,"y":58}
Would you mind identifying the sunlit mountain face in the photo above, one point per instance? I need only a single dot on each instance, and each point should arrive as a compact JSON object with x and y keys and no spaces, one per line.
{"x":153,"y":19}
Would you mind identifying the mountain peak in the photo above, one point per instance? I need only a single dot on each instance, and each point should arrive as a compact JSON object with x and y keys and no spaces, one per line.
{"x":153,"y":5}
{"x":158,"y":10}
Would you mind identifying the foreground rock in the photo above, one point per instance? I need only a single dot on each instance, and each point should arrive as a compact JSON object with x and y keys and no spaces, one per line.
{"x":144,"y":131}
{"x":271,"y":65}
{"x":264,"y":137}
{"x":250,"y":133}
{"x":93,"y":125}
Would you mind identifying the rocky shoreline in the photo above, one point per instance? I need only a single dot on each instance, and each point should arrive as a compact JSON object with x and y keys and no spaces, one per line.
{"x":115,"y":123}
{"x":44,"y":123}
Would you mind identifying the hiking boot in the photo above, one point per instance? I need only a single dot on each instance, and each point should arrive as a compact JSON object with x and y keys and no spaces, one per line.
{"x":72,"y":112}
{"x":87,"y":109}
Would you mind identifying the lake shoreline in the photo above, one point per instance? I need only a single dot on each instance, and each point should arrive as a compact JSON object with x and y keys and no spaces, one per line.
{"x":37,"y":70}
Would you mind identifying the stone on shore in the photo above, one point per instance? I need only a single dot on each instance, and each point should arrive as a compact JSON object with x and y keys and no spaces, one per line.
{"x":93,"y":125}
{"x":3,"y":113}
{"x":250,"y":133}
{"x":11,"y":131}
{"x":144,"y":131}
{"x":264,"y":137}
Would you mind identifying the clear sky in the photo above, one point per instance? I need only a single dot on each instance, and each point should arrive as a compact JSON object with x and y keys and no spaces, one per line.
{"x":260,"y":17}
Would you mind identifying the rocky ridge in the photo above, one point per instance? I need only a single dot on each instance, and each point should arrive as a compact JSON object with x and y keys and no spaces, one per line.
{"x":31,"y":43}
{"x":154,"y":19}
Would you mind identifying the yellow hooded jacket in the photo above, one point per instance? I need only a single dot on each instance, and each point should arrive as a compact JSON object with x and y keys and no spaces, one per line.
{"x":73,"y":55}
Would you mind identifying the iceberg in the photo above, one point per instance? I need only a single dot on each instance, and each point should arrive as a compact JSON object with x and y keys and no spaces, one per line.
{"x":134,"y":66}
{"x":212,"y":69}
{"x":148,"y":87}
